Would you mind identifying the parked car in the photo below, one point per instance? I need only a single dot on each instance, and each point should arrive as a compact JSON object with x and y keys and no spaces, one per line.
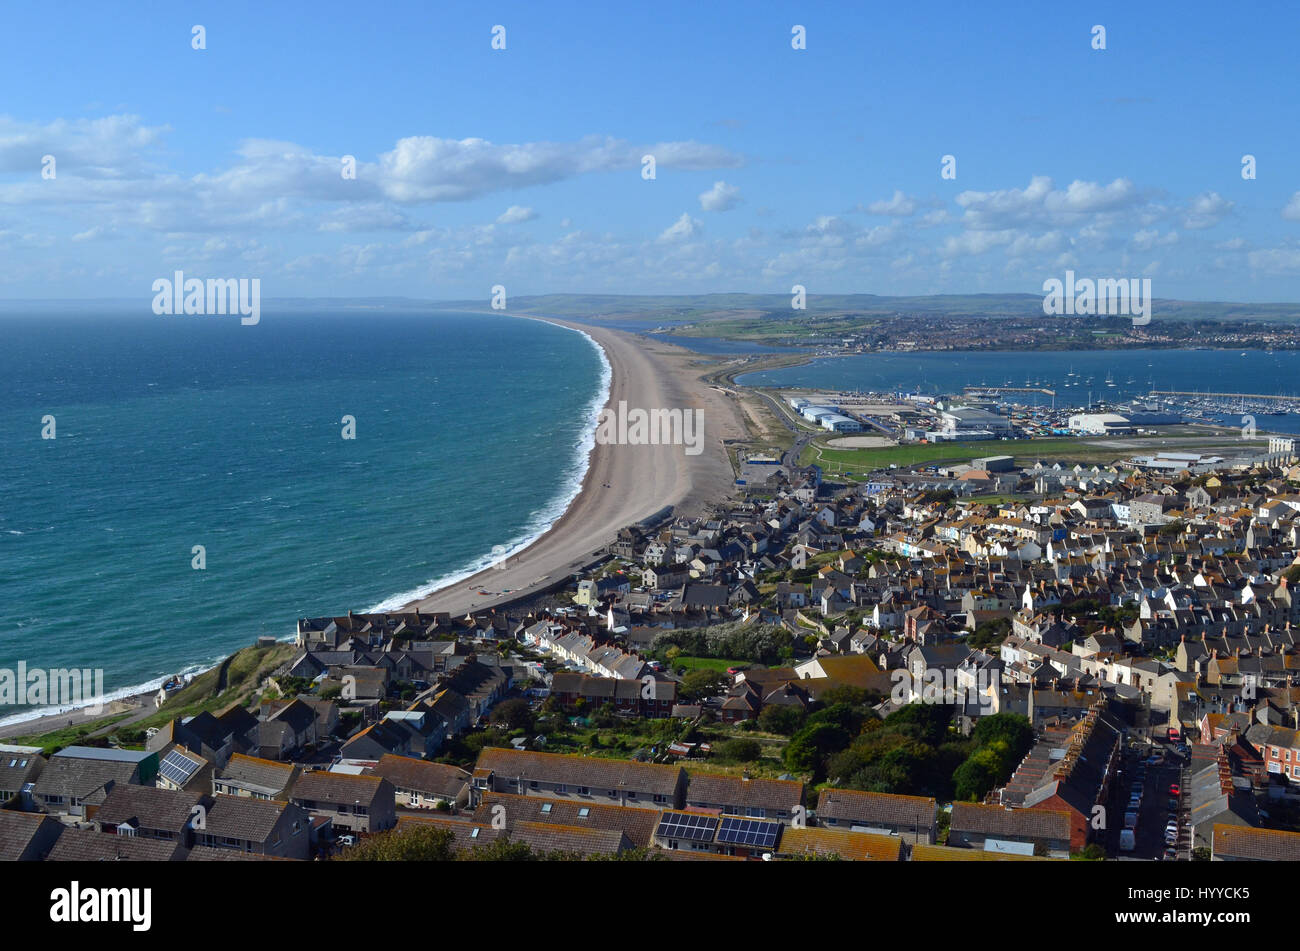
{"x":1175,"y":789}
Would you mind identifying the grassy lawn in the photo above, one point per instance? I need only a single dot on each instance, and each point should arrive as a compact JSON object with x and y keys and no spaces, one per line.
{"x":864,"y":460}
{"x":234,"y":680}
{"x":68,"y":736}
{"x":708,"y":663}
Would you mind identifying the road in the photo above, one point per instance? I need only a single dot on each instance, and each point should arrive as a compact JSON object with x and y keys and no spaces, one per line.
{"x":1154,"y":811}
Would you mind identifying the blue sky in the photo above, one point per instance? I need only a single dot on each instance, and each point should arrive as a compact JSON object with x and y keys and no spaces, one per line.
{"x":775,"y":166}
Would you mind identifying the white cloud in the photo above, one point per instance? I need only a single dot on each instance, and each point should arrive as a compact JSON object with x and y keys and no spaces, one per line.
{"x":1206,"y":210}
{"x":1292,"y":210}
{"x":897,"y":206}
{"x":516,"y":214}
{"x":721,"y":197}
{"x":425,"y":168}
{"x":1041,"y":204}
{"x":107,"y":147}
{"x":682,"y":229}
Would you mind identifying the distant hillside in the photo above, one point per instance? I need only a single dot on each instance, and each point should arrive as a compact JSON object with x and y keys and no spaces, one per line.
{"x":695,"y":307}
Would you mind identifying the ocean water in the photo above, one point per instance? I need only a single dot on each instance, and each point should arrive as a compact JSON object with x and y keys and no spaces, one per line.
{"x":1073,"y":374}
{"x":472,"y":431}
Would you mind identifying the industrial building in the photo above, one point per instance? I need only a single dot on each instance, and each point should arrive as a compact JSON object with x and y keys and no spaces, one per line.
{"x":839,"y":423}
{"x":961,"y":419}
{"x":815,"y":414}
{"x":1101,"y":424}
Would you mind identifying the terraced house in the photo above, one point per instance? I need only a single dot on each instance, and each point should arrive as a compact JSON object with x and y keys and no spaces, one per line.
{"x":912,"y":818}
{"x":352,"y":803}
{"x":257,"y":827}
{"x":559,"y":776}
{"x":778,"y":799}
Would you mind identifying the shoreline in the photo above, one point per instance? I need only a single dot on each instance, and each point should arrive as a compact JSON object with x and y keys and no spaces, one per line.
{"x":645,"y":372}
{"x":623,"y":484}
{"x":546,"y":518}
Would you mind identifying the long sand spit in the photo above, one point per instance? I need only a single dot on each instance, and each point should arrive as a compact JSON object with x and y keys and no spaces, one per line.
{"x":624,"y":483}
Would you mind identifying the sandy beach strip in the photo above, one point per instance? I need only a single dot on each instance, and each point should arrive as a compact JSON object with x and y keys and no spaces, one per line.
{"x":624,"y":483}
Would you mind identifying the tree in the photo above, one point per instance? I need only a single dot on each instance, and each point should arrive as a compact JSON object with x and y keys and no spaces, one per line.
{"x":783,"y":720}
{"x":701,"y":683}
{"x":514,"y":714}
{"x":1012,"y":728}
{"x":740,"y":750}
{"x":501,"y":850}
{"x":808,"y":749}
{"x":419,"y":843}
{"x":979,"y":774}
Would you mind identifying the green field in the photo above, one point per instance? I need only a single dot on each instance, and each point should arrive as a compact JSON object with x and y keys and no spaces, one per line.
{"x":708,"y":663}
{"x":864,"y":460}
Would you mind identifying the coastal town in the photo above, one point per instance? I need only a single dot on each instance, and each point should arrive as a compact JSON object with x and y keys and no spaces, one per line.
{"x":967,"y":661}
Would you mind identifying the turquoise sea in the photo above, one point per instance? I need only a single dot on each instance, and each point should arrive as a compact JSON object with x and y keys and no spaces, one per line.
{"x":472,"y":431}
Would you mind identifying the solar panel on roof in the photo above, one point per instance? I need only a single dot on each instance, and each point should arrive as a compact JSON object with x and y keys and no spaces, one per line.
{"x":752,"y":832}
{"x":177,"y":769}
{"x":687,"y":825}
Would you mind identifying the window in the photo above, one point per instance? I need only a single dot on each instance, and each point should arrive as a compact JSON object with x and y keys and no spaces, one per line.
{"x":659,"y":798}
{"x":546,"y":808}
{"x":533,"y":784}
{"x":583,"y":790}
{"x":584,"y":812}
{"x":631,"y":795}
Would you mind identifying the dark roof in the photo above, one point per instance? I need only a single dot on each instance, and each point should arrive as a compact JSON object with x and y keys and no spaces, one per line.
{"x":698,"y":594}
{"x":598,"y":774}
{"x":734,"y":793}
{"x":83,"y":845}
{"x":210,"y":731}
{"x":245,"y":818}
{"x":17,"y":766}
{"x":148,"y":807}
{"x":17,"y":829}
{"x":238,"y":720}
{"x":296,"y":714}
{"x":543,"y":837}
{"x":438,"y":779}
{"x":998,"y":822}
{"x":74,"y":777}
{"x":259,"y":775}
{"x":636,"y":823}
{"x":341,"y":788}
{"x":852,"y":805}
{"x":206,"y":853}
